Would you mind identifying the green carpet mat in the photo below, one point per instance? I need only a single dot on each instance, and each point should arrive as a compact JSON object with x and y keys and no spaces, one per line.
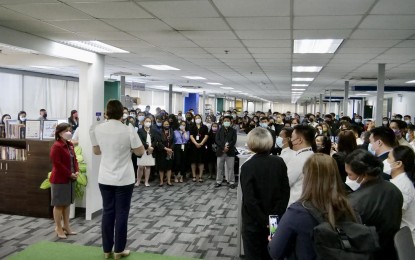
{"x":63,"y":251}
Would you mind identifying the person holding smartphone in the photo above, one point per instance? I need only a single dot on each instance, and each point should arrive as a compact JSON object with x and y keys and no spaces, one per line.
{"x":265,"y":192}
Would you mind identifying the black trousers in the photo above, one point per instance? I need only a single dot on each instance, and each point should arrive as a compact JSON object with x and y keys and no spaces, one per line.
{"x":256,"y":245}
{"x":180,"y":159}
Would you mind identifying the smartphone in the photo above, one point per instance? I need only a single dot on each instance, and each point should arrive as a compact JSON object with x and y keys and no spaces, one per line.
{"x":273,"y":224}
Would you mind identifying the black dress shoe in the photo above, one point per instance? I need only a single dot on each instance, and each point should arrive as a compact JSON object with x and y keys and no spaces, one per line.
{"x":232,"y":186}
{"x":217,"y":185}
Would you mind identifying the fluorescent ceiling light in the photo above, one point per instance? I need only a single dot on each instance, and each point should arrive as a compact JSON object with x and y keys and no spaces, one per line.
{"x":296,"y":92}
{"x":246,"y":94}
{"x":317,"y":45}
{"x":160,"y":67}
{"x":94,"y":46}
{"x":303,"y":79}
{"x":361,"y":94}
{"x":298,"y":89}
{"x":16,"y":49}
{"x":43,"y":67}
{"x":214,"y":83}
{"x":226,"y":88}
{"x":410,"y":82}
{"x":193,"y":77}
{"x":237,"y":91}
{"x":307,"y":68}
{"x":299,"y":85}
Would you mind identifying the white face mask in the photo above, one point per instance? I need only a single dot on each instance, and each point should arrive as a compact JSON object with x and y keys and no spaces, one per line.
{"x":385,"y":122}
{"x":387,"y":168}
{"x":22,"y":119}
{"x":279,"y":142}
{"x":408,"y":121}
{"x":358,"y":120}
{"x":67,"y":136}
{"x":147,"y":124}
{"x":353,"y":184}
{"x":264,"y":125}
{"x":132,"y":115}
{"x":140,"y":118}
{"x":226,"y":124}
{"x":198,"y":121}
{"x":407,"y":137}
{"x":370,"y":149}
{"x":124,"y":116}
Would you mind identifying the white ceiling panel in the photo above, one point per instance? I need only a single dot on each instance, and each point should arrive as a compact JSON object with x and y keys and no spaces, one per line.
{"x":394,"y":7}
{"x":259,"y":23}
{"x":61,"y":36}
{"x":270,"y":50}
{"x":271,"y":56}
{"x":138,"y":25}
{"x":369,"y":43}
{"x":197,"y":24}
{"x":30,"y":26}
{"x":224,"y":56}
{"x":183,"y":44}
{"x":56,"y":11}
{"x":406,"y":44}
{"x":6,"y":14}
{"x":399,"y":22}
{"x":322,"y":34}
{"x":382,"y":34}
{"x":222,"y":50}
{"x":326,"y":22}
{"x":4,"y":2}
{"x":179,"y":9}
{"x":84,"y":26}
{"x":239,"y":8}
{"x":160,"y":36}
{"x":219,"y":43}
{"x":264,"y":34}
{"x":331,"y":7}
{"x":102,"y":36}
{"x":130,"y":43}
{"x":344,"y":50}
{"x":112,"y":10}
{"x":267,"y":43}
{"x":208,"y":35}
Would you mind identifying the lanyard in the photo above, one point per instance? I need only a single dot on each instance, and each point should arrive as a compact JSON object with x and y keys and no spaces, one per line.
{"x":305,"y":150}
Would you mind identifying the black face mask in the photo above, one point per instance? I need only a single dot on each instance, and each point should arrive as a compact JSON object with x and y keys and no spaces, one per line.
{"x":188,"y":118}
{"x":166,"y":127}
{"x":45,"y":115}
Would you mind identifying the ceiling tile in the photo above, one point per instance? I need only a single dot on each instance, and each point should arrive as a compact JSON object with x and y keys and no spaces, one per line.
{"x":197,"y":24}
{"x":239,"y":8}
{"x":4,"y":2}
{"x":137,"y":25}
{"x":30,"y":26}
{"x":369,"y":43}
{"x":208,"y":35}
{"x":102,"y":36}
{"x":264,"y":35}
{"x":331,"y":7}
{"x":272,"y":56}
{"x":326,"y":22}
{"x":406,"y":44}
{"x":179,"y":9}
{"x":270,"y":50}
{"x":400,"y":22}
{"x":112,"y":10}
{"x":222,"y":50}
{"x":62,"y":36}
{"x":382,"y":34}
{"x":394,"y":7}
{"x":259,"y":23}
{"x":160,"y":36}
{"x":56,"y":11}
{"x":219,"y":43}
{"x":322,"y":34}
{"x":6,"y":14}
{"x":129,"y":43}
{"x":84,"y":25}
{"x":344,"y":50}
{"x":267,"y":43}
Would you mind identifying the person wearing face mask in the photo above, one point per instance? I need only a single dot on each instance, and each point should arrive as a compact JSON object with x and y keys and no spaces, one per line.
{"x":401,"y":164}
{"x":378,"y":202}
{"x":279,"y":124}
{"x":323,"y":144}
{"x":165,"y":155}
{"x":284,"y":143}
{"x":4,"y":118}
{"x":407,"y":119}
{"x":312,"y":121}
{"x":410,"y":136}
{"x":189,"y":121}
{"x":158,"y":126}
{"x":225,"y":141}
{"x":303,"y":143}
{"x":125,"y":115}
{"x":198,"y":137}
{"x":264,"y":124}
{"x":140,"y":120}
{"x":345,"y":146}
{"x":295,"y":122}
{"x":43,"y":114}
{"x":181,"y":140}
{"x":211,"y":151}
{"x":65,"y":170}
{"x":149,"y":137}
{"x":399,"y":128}
{"x":381,"y":142}
{"x":73,"y":120}
{"x":21,"y":117}
{"x":207,"y":122}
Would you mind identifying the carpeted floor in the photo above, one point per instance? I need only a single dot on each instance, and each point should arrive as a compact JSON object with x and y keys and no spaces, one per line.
{"x":63,"y":251}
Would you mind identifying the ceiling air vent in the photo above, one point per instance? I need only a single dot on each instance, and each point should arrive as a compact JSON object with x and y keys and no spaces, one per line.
{"x":191,"y":87}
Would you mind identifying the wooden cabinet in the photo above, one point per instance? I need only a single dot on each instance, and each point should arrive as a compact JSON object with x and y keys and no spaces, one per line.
{"x":20,"y":180}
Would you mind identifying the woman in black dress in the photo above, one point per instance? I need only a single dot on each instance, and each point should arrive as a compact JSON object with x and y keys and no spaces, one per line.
{"x":165,"y":153}
{"x":198,"y":138}
{"x":211,"y":151}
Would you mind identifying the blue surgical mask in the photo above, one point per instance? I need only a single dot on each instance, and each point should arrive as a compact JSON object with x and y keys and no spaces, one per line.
{"x":264,"y":125}
{"x":407,"y":137}
{"x":158,"y":124}
{"x":358,"y":120}
{"x":140,"y":118}
{"x":370,"y":149}
{"x":226,"y":124}
{"x":279,"y":142}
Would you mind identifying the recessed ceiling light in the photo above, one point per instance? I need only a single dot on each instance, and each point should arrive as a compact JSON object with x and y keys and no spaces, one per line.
{"x":94,"y":46}
{"x":361,"y":94}
{"x":214,"y":83}
{"x":226,"y":88}
{"x":296,"y":92}
{"x":193,"y":77}
{"x":317,"y":45}
{"x":237,"y":91}
{"x":298,"y":89}
{"x":160,"y":67}
{"x":410,"y":82}
{"x":303,"y":79}
{"x":307,"y":68}
{"x":299,"y":85}
{"x":246,"y":94}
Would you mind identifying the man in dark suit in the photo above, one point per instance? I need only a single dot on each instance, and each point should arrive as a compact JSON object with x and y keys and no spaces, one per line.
{"x":382,"y":140}
{"x":264,"y":123}
{"x":225,"y":143}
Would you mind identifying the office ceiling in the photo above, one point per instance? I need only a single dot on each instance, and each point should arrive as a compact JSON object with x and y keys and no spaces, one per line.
{"x":243,"y":44}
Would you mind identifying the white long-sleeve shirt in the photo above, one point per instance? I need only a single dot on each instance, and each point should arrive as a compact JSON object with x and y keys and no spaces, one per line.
{"x":295,"y":173}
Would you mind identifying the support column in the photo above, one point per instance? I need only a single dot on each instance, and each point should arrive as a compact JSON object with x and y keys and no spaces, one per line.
{"x":346,"y":98}
{"x":204,"y":105}
{"x":320,"y":107}
{"x":122,"y":90}
{"x":330,"y":104}
{"x":91,"y":110}
{"x":379,"y":95}
{"x":314,"y":105}
{"x":170,"y":98}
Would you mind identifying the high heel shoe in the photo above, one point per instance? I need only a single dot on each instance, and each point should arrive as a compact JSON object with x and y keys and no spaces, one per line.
{"x":108,"y":255}
{"x":61,"y":236}
{"x":117,"y":256}
{"x":69,"y":233}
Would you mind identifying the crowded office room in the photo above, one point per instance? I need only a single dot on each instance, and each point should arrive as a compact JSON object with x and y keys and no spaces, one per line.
{"x":207,"y":129}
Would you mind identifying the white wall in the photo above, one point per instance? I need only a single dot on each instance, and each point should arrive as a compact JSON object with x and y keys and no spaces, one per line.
{"x":400,"y":105}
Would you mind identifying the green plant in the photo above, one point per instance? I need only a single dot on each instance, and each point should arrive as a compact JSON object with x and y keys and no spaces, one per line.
{"x":81,"y":181}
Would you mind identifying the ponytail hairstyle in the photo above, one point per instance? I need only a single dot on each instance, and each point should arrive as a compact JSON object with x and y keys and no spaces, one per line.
{"x":407,"y":156}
